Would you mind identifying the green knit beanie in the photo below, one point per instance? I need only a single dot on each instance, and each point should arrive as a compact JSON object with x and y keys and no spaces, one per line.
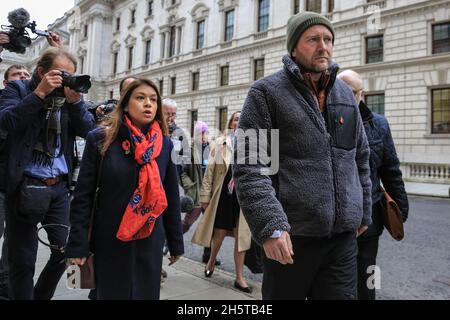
{"x":300,"y":22}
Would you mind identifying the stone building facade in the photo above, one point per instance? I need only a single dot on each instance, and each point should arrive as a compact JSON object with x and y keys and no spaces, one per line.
{"x":206,"y":53}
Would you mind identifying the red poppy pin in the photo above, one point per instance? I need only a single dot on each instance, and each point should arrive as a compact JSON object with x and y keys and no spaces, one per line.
{"x":126,"y":146}
{"x":341,"y":120}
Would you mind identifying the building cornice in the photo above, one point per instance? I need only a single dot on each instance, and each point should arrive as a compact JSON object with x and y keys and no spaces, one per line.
{"x":387,"y":13}
{"x":401,"y":63}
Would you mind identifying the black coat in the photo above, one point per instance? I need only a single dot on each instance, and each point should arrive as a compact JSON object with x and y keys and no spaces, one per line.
{"x":124,"y":270}
{"x":384,"y":167}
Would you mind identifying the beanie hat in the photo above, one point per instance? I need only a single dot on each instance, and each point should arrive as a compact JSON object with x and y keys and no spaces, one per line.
{"x":201,"y":127}
{"x":298,"y":24}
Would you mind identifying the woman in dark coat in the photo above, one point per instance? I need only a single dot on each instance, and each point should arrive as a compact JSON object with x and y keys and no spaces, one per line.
{"x":138,"y":200}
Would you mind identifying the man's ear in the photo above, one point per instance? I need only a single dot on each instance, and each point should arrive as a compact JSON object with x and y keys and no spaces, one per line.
{"x":5,"y":83}
{"x":41,"y":72}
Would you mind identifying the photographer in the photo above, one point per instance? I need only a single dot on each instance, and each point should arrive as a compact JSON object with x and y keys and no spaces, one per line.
{"x":42,"y":119}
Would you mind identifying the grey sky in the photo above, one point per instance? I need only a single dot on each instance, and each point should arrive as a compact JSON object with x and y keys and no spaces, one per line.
{"x":44,"y":12}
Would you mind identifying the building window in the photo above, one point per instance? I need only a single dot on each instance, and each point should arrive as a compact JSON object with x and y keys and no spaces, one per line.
{"x":161,"y":86}
{"x":441,"y":38}
{"x":117,"y":23}
{"x":133,"y":16}
{"x":172,"y":41}
{"x":163,"y":44}
{"x":296,"y":6}
{"x":440,"y":111}
{"x":194,"y":118}
{"x":259,"y":69}
{"x":195,"y":81}
{"x":150,"y":8}
{"x":200,"y":34}
{"x":223,"y":121}
{"x":374,"y":49}
{"x":130,"y":58}
{"x":111,"y":94}
{"x":330,"y":5}
{"x":115,"y":58}
{"x":224,"y":75}
{"x":85,"y":33}
{"x":229,"y":25}
{"x":173,"y":85}
{"x":148,"y":47}
{"x":314,"y":5}
{"x":263,"y":15}
{"x":375,"y":102}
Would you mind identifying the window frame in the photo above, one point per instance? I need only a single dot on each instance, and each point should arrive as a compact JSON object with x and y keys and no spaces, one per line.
{"x":229,"y":28}
{"x":222,"y":82}
{"x":195,"y":85}
{"x":432,"y":111}
{"x":368,"y":52}
{"x":433,"y":41}
{"x":263,"y":19}
{"x":368,"y":95}
{"x":200,"y":37}
{"x":255,"y":68}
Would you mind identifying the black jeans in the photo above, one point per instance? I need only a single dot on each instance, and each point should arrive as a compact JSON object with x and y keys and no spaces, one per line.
{"x":367,"y":256}
{"x":23,"y":246}
{"x":323,"y":269}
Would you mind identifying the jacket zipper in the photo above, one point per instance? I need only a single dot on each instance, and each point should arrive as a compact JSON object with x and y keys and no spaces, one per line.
{"x":334,"y":219}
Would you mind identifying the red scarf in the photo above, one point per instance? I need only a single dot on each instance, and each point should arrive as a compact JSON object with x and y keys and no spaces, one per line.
{"x":149,"y":199}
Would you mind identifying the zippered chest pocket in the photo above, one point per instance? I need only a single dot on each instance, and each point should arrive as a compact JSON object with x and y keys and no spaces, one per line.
{"x":343,"y":127}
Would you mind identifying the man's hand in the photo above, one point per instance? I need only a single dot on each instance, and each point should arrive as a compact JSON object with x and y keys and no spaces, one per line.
{"x":72,"y":96}
{"x":4,"y":38}
{"x":100,"y":111}
{"x":361,"y":230}
{"x":78,"y":261}
{"x":54,"y":40}
{"x":49,"y":82}
{"x":280,"y":249}
{"x":173,"y":259}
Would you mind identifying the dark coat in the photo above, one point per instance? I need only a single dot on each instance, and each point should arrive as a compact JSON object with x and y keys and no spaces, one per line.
{"x":323,"y":183}
{"x":124,"y":270}
{"x":384,"y":167}
{"x":22,"y":115}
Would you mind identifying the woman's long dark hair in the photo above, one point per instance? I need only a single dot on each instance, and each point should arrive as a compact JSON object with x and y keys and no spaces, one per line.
{"x":113,"y":122}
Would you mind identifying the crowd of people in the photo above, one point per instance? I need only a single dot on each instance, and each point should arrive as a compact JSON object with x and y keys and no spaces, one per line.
{"x":316,"y":222}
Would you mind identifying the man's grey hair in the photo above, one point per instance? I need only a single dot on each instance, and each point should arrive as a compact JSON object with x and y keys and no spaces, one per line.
{"x":167,"y":102}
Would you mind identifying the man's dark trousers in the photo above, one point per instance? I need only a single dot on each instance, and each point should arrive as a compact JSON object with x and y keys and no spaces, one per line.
{"x":23,"y":246}
{"x":323,"y":269}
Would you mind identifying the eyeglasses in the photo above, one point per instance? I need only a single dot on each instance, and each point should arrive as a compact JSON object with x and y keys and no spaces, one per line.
{"x":171,"y":114}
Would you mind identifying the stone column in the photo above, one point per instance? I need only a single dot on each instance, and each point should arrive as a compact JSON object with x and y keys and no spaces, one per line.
{"x":302,"y":5}
{"x":324,"y":6}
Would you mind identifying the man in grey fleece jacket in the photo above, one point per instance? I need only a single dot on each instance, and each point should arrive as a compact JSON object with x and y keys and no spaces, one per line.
{"x":308,"y":215}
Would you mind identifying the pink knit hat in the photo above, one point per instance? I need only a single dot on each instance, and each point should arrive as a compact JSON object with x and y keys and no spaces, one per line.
{"x":201,"y":127}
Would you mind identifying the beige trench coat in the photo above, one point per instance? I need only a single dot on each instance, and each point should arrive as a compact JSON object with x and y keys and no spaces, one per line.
{"x":218,"y":165}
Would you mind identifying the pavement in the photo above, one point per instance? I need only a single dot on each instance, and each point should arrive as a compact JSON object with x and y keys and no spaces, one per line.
{"x":428,"y":189}
{"x":185,"y":281}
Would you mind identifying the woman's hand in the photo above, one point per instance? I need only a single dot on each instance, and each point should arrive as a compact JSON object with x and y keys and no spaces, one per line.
{"x":205,"y":205}
{"x":173,"y":259}
{"x":78,"y":261}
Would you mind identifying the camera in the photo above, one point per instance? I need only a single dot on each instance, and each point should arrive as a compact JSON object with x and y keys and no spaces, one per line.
{"x":108,"y":107}
{"x":19,"y":38}
{"x":81,"y":83}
